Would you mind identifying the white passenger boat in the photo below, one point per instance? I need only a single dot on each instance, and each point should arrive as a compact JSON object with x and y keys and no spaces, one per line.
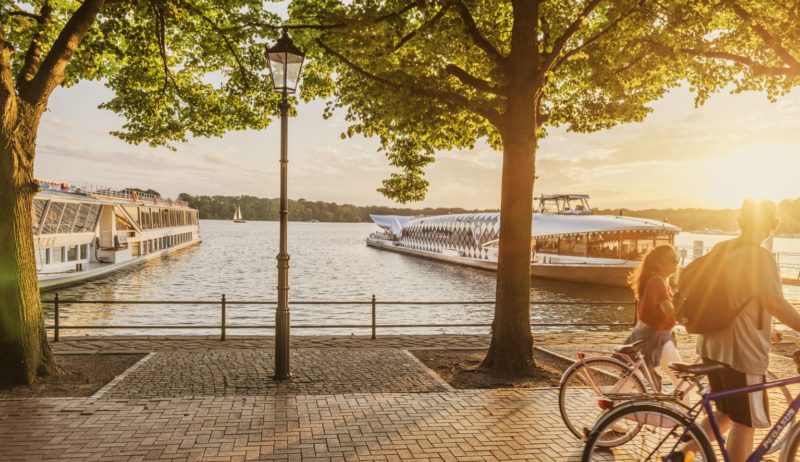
{"x":567,"y":242}
{"x":79,"y":235}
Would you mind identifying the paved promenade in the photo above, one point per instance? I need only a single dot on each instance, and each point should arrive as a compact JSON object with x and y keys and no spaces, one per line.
{"x":351,"y":398}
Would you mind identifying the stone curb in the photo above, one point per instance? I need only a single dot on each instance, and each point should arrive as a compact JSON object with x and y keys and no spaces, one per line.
{"x":107,"y":387}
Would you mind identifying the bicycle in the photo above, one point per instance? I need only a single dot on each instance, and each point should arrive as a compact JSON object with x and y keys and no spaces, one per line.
{"x":660,"y":425}
{"x":585,"y":386}
{"x":599,"y":380}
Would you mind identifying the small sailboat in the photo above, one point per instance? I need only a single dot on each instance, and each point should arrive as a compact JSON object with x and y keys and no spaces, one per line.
{"x":237,"y":217}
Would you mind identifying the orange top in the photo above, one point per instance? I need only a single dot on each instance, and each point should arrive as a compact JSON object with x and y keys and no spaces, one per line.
{"x":655,"y":291}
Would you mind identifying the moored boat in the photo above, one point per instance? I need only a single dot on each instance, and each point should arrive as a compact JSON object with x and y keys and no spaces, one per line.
{"x":81,"y":234}
{"x":568,"y":242}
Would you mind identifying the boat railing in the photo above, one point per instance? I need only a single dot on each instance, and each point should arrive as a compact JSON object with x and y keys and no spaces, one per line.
{"x":106,"y":192}
{"x":373,"y":303}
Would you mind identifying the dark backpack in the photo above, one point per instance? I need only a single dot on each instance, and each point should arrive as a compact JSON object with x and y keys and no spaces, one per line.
{"x":702,"y":303}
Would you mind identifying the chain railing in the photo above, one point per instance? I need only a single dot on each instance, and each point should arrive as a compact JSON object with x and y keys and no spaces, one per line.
{"x":223,"y":303}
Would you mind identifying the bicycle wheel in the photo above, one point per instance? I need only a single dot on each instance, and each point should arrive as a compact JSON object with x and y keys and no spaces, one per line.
{"x":659,"y":429}
{"x":585,"y":382}
{"x":792,"y":450}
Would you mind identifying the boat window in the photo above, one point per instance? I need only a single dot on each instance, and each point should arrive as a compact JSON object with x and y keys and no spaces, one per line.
{"x":68,"y":218}
{"x":57,"y":255}
{"x":86,"y":218}
{"x":53,"y":218}
{"x":572,"y":245}
{"x":603,"y":246}
{"x":72,"y":253}
{"x":36,"y":213}
{"x":547,"y":245}
{"x":84,"y":251}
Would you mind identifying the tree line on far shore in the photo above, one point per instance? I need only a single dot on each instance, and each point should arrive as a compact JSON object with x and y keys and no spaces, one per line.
{"x":263,"y":209}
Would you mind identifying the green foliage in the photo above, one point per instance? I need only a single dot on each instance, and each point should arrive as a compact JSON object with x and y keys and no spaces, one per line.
{"x":742,"y":45}
{"x":176,"y":67}
{"x":261,"y":209}
{"x":405,"y":71}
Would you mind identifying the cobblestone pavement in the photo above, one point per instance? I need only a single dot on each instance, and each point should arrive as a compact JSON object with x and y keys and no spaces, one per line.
{"x":465,"y":425}
{"x":247,"y":372}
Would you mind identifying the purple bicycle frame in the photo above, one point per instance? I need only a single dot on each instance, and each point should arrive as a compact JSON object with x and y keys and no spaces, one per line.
{"x":776,"y":430}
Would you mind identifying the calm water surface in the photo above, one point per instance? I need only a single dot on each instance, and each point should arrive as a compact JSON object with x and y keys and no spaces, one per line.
{"x":329,"y":261}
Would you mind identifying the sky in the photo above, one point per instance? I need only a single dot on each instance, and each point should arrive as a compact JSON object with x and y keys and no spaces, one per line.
{"x":733,"y":147}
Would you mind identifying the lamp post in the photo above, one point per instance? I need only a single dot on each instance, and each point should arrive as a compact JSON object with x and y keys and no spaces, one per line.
{"x":285,"y":62}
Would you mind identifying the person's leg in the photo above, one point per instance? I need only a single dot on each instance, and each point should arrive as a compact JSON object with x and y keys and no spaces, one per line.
{"x":670,"y":354}
{"x":740,"y":442}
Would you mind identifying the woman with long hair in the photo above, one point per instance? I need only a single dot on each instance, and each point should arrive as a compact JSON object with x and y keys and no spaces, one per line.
{"x":654,"y":308}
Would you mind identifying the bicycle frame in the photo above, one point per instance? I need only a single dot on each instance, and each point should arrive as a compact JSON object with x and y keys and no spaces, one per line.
{"x":774,"y":432}
{"x":637,"y":367}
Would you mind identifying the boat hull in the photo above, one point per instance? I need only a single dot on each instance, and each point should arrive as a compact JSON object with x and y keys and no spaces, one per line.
{"x":49,"y":282}
{"x":585,"y":273}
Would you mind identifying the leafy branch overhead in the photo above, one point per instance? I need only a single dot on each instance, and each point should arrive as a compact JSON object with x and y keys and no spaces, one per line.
{"x":438,"y":72}
{"x":176,"y":67}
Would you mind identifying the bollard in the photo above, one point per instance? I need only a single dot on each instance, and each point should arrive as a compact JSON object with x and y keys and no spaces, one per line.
{"x":222,"y":336}
{"x":56,"y":333}
{"x":373,"y":316}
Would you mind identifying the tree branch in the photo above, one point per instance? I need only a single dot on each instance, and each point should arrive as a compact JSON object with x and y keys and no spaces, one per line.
{"x":561,"y":42}
{"x":468,"y":79}
{"x":228,"y":44}
{"x":769,"y":39}
{"x":51,"y":71}
{"x":34,"y":54}
{"x":475,"y":34}
{"x":448,"y":98}
{"x":591,"y":40}
{"x":755,"y":66}
{"x":424,"y":26}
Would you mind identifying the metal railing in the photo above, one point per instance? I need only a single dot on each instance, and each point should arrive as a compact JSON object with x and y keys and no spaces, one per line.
{"x":373,"y":302}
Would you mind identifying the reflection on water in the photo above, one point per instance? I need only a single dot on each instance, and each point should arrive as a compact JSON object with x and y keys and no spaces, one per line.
{"x":329,"y":261}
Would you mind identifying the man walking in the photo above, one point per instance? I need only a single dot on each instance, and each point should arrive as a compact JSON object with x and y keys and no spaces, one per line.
{"x":753,"y":282}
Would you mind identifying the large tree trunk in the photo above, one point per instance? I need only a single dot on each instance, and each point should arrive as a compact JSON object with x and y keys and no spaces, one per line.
{"x":24,"y":351}
{"x":511,"y":349}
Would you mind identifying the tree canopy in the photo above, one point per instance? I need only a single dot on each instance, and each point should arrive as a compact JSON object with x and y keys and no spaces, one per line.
{"x":425,"y":76}
{"x":176,"y":67}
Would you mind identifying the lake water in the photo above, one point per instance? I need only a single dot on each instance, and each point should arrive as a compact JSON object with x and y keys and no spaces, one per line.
{"x":329,"y":262}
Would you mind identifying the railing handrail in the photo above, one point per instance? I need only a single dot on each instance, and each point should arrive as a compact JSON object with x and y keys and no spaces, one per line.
{"x":327,"y":302}
{"x":223,"y":302}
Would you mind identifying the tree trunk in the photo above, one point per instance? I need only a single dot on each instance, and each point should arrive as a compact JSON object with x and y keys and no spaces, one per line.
{"x":511,"y":349}
{"x":24,"y":351}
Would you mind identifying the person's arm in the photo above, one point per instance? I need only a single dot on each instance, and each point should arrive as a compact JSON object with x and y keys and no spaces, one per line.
{"x":667,"y":308}
{"x":781,"y":309}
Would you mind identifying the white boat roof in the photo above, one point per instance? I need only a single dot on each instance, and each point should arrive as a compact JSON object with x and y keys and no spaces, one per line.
{"x":393,"y":223}
{"x":544,"y":224}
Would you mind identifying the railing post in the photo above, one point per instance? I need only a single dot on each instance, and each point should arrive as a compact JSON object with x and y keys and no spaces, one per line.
{"x":373,"y":316}
{"x":222,"y":336}
{"x":56,"y":333}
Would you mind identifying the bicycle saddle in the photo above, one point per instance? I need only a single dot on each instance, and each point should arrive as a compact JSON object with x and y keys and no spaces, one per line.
{"x":696,"y":369}
{"x":630,"y":348}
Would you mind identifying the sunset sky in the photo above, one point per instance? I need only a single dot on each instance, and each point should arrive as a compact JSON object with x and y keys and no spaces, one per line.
{"x":733,"y":147}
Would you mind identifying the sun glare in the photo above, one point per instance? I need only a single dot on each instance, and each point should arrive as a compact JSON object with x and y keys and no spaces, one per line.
{"x":769,"y":171}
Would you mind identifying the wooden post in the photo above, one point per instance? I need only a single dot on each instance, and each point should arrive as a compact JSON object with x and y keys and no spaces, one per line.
{"x":222,"y":336}
{"x":373,"y":316}
{"x":56,"y":333}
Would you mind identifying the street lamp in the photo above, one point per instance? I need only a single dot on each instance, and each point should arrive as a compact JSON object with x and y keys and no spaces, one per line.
{"x":285,"y":62}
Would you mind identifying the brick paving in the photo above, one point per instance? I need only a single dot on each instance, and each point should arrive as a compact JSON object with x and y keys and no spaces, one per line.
{"x":351,"y":398}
